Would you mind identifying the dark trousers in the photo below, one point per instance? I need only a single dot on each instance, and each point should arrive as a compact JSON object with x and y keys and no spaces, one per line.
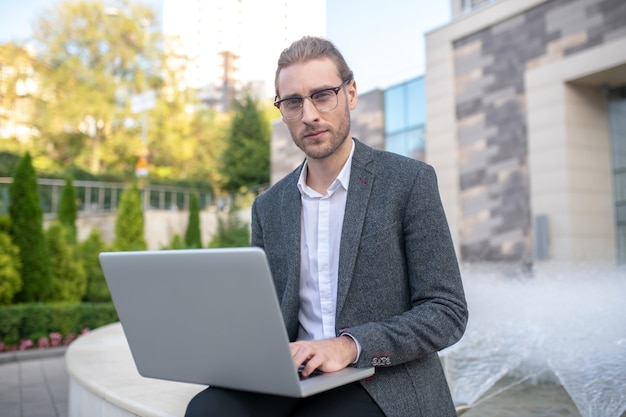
{"x":349,"y":400}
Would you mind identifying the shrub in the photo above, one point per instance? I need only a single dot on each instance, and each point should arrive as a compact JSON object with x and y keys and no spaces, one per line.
{"x":11,"y":323}
{"x":94,"y":315}
{"x":10,"y":278}
{"x":231,"y":232}
{"x":176,"y":243}
{"x":36,"y":320}
{"x":69,"y":282}
{"x":64,"y":318}
{"x":88,"y":250}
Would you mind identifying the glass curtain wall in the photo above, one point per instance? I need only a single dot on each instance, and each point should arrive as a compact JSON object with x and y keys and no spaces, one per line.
{"x":405,"y":116}
{"x":617,"y":121}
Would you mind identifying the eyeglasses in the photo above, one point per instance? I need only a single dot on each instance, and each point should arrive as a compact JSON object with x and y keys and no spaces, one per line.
{"x":324,"y":101}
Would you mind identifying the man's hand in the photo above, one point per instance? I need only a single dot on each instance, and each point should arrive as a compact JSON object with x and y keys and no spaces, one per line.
{"x":327,"y":355}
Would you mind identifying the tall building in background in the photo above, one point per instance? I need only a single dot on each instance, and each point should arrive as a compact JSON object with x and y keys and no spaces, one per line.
{"x":234,"y":44}
{"x":525,"y":108}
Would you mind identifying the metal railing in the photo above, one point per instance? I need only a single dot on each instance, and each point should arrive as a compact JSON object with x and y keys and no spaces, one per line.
{"x":96,"y":197}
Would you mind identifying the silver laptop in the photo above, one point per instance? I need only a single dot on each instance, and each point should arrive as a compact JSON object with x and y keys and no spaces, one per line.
{"x":211,"y":317}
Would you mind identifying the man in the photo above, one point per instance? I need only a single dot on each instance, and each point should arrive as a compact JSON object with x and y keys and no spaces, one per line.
{"x":361,"y":255}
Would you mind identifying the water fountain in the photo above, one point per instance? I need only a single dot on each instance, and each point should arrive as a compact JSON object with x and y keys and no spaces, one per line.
{"x":566,"y":329}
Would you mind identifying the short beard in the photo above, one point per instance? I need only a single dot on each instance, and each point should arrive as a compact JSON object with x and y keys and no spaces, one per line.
{"x":342,"y":133}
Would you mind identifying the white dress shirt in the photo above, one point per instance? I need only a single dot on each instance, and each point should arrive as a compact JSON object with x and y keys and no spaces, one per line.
{"x":321,"y":221}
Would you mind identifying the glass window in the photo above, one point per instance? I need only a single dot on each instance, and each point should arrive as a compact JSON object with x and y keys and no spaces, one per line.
{"x":405,"y":115}
{"x":416,"y":111}
{"x":620,"y":186}
{"x":617,"y":123}
{"x":617,"y":115}
{"x":396,"y":143}
{"x":415,"y":140}
{"x":621,"y":244}
{"x":394,"y":110}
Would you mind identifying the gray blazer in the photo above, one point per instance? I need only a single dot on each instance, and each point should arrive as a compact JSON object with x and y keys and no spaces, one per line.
{"x":399,"y":292}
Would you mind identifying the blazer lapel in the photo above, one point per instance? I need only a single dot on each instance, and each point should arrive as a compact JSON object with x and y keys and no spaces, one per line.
{"x":359,"y":191}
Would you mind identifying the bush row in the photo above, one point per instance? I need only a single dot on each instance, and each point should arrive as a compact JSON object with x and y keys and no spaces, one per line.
{"x":35,"y":320}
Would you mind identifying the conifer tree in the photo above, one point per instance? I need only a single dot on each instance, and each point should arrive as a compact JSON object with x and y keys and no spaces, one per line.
{"x":67,"y":211}
{"x":129,"y":234}
{"x":193,"y":237}
{"x":246,"y":160}
{"x":27,"y":232}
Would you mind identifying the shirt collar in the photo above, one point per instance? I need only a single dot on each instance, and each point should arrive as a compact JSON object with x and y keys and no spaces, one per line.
{"x":342,"y":180}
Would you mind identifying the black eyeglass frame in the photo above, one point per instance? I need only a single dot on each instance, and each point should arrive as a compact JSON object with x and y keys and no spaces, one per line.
{"x":335,"y":90}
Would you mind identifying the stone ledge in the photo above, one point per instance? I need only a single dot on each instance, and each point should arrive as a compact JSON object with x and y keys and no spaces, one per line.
{"x":25,"y":355}
{"x":104,"y":380}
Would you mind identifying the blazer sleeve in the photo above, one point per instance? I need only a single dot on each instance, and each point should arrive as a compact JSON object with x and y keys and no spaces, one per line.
{"x":416,"y":270}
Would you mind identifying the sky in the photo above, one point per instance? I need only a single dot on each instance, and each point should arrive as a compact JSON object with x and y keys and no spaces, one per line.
{"x":18,"y":17}
{"x":382,"y":40}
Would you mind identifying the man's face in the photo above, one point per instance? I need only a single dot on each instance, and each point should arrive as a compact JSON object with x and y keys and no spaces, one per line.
{"x":318,"y":134}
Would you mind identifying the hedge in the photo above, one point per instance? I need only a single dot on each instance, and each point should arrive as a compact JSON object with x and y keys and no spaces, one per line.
{"x":34,"y":320}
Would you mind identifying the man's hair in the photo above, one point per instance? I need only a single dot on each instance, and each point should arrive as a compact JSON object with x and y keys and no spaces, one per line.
{"x":309,"y":48}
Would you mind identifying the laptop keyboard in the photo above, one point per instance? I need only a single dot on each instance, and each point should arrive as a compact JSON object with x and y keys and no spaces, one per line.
{"x":315,"y":373}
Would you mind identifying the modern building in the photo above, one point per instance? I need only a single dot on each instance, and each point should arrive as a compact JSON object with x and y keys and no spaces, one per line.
{"x":526,"y":116}
{"x":234,"y":44}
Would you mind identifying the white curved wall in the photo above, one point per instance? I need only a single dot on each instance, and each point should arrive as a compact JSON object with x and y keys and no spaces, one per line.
{"x":104,"y":381}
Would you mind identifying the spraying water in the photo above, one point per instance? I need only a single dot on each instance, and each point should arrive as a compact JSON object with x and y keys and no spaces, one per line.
{"x":569,"y":328}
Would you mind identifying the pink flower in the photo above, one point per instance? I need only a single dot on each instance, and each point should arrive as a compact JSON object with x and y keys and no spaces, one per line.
{"x":1,"y":346}
{"x":43,"y":342}
{"x":84,"y":331}
{"x":26,"y":344}
{"x":55,"y":339}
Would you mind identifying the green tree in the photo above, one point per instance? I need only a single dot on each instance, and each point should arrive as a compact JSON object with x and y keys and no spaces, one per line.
{"x":67,"y":211}
{"x":10,"y":278}
{"x":8,"y":163}
{"x":88,"y":250}
{"x":69,"y":281}
{"x":129,"y":234}
{"x":208,"y":137}
{"x":17,"y":85}
{"x":27,"y":232}
{"x":186,"y":145}
{"x":246,"y":159}
{"x":193,"y":237}
{"x":92,"y":59}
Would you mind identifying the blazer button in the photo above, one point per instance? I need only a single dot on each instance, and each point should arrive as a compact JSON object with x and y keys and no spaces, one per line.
{"x":382,"y":361}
